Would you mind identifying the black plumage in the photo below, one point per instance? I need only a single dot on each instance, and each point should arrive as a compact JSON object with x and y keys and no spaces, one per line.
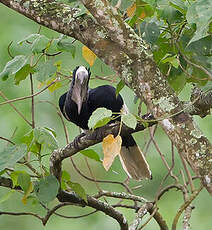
{"x":102,"y":96}
{"x":80,"y":102}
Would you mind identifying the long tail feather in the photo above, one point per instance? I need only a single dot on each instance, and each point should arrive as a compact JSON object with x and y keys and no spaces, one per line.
{"x":134,"y":163}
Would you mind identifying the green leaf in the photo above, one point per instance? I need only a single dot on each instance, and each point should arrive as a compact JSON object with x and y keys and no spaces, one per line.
{"x":32,"y":145}
{"x":14,"y":177}
{"x":97,"y":116}
{"x":24,"y":181}
{"x":23,"y":73}
{"x":202,"y":47}
{"x":126,"y":4}
{"x":102,"y":122}
{"x":64,"y":178}
{"x":207,"y":87}
{"x":177,"y":82}
{"x":201,"y":32}
{"x":45,"y":71}
{"x":67,"y":46}
{"x":3,"y":172}
{"x":129,"y":120}
{"x":91,"y":154}
{"x":133,"y":20}
{"x":172,"y":60}
{"x":29,"y":38}
{"x":47,"y":188}
{"x":51,"y":130}
{"x":40,"y":44}
{"x":119,"y":87}
{"x":11,"y":154}
{"x":13,"y":66}
{"x":179,"y":5}
{"x":151,"y":30}
{"x":198,"y":76}
{"x":167,"y":12}
{"x":152,"y":3}
{"x":199,"y":12}
{"x":78,"y":189}
{"x":6,"y":196}
{"x":44,"y":136}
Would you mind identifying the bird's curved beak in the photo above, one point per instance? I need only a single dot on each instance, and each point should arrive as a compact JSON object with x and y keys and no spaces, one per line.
{"x":80,"y":89}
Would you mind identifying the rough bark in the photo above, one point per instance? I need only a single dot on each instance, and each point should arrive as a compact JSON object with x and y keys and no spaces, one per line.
{"x":107,"y":35}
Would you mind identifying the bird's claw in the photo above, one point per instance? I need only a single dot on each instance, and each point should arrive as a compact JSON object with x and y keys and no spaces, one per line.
{"x":76,"y":140}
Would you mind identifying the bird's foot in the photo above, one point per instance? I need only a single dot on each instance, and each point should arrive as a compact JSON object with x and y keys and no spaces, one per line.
{"x":98,"y":134}
{"x":76,"y":140}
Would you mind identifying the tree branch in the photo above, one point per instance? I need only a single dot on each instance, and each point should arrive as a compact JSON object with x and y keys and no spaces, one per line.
{"x":64,"y":196}
{"x":7,"y":182}
{"x":91,"y":138}
{"x":132,"y":60}
{"x":71,"y":198}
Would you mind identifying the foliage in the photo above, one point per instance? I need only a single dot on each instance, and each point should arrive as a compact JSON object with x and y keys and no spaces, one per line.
{"x":179,"y":33}
{"x":46,"y":189}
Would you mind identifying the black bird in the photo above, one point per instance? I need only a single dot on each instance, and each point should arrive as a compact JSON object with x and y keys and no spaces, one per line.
{"x":80,"y":102}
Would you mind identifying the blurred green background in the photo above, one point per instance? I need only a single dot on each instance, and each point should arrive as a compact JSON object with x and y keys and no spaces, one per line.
{"x":15,"y":27}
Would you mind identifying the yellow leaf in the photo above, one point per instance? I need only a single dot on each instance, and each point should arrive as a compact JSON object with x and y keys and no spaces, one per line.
{"x":111,"y":148}
{"x":54,"y":86}
{"x":131,"y":10}
{"x":27,"y":193}
{"x":88,"y":55}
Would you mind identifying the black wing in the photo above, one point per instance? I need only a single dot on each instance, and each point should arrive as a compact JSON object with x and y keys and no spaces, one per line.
{"x":104,"y":96}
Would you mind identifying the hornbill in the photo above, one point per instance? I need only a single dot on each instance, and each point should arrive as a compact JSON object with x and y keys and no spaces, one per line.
{"x":80,"y":102}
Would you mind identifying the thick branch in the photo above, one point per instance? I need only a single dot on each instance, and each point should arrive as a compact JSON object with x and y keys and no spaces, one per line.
{"x":145,"y":208}
{"x":7,"y":182}
{"x":94,"y":203}
{"x":90,"y":138}
{"x":134,"y":64}
{"x":72,"y":198}
{"x":202,"y":102}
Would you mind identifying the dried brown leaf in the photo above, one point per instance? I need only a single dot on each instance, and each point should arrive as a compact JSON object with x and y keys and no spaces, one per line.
{"x":111,"y":148}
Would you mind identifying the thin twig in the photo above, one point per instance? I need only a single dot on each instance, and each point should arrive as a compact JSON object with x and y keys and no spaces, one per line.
{"x":125,"y":206}
{"x":99,"y":181}
{"x":190,"y":181}
{"x":30,"y":96}
{"x":120,"y":195}
{"x":194,"y":64}
{"x":61,"y":118}
{"x":150,"y":217}
{"x":33,"y":104}
{"x":53,"y":210}
{"x":93,"y":177}
{"x":32,"y":169}
{"x":162,"y":157}
{"x":184,"y":206}
{"x":153,"y":130}
{"x":173,"y":162}
{"x":21,"y":214}
{"x":184,"y":182}
{"x":17,"y":111}
{"x":167,"y":188}
{"x":5,"y":139}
